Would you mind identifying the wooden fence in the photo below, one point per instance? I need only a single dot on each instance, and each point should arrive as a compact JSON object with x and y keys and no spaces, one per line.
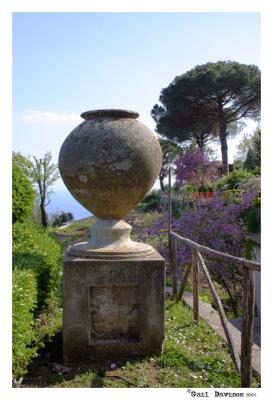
{"x":197,"y":265}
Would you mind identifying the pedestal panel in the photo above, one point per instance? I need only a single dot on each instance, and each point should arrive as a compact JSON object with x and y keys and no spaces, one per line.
{"x":113,"y":308}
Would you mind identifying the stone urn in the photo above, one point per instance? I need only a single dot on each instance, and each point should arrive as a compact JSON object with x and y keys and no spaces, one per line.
{"x":109,"y":162}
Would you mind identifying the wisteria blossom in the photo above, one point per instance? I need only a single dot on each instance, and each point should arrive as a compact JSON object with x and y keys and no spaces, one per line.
{"x":215,"y":223}
{"x":197,"y":167}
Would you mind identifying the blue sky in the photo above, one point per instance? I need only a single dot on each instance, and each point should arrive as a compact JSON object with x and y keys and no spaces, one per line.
{"x":67,"y":63}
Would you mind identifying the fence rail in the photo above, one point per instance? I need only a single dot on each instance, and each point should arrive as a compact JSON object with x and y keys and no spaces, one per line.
{"x":217,"y":254}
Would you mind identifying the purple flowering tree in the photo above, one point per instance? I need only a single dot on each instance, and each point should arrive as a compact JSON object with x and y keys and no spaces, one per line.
{"x":215,"y":223}
{"x":197,"y":167}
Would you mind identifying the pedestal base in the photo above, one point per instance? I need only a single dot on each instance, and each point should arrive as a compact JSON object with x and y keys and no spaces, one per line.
{"x":113,"y":308}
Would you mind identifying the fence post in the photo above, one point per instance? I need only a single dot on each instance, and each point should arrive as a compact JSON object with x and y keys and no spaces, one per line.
{"x":195,"y":286}
{"x":247,"y":326}
{"x":169,"y":210}
{"x":174,"y":265}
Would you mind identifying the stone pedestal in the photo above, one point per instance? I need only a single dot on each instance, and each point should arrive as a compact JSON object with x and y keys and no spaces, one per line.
{"x":113,"y":286}
{"x":113,"y":308}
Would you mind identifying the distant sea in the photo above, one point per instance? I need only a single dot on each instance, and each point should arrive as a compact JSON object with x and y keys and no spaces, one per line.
{"x":61,"y":200}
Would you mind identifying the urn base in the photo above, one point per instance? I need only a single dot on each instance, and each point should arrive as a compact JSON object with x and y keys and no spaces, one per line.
{"x":110,"y":239}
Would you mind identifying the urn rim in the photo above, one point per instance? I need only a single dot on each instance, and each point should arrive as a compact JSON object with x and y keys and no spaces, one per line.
{"x":109,"y":113}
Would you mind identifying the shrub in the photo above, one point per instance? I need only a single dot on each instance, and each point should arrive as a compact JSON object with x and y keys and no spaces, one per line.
{"x":252,"y":219}
{"x":186,"y":189}
{"x":249,"y":151}
{"x":60,"y":218}
{"x":149,"y":219}
{"x":24,"y":298}
{"x":35,"y":250}
{"x":252,"y":215}
{"x":234,"y":179}
{"x":151,"y":202}
{"x":252,"y":184}
{"x":29,"y":330}
{"x":22,"y":191}
{"x":36,"y":315}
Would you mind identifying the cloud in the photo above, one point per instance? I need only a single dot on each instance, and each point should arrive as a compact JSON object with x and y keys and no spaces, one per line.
{"x":48,"y":117}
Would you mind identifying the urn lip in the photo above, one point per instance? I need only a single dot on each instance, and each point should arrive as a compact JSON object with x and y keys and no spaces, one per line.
{"x":109,"y":113}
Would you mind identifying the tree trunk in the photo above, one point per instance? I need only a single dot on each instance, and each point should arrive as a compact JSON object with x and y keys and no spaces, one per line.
{"x":223,"y":140}
{"x":43,"y":216}
{"x":161,"y":182}
{"x":199,"y":141}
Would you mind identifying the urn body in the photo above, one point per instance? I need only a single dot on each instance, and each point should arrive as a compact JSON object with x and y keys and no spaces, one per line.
{"x":109,"y":162}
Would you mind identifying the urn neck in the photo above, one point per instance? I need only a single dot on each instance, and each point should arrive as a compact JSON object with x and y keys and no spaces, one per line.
{"x":111,"y":113}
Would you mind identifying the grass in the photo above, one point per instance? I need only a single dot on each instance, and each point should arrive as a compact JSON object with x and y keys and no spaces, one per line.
{"x":193,"y":356}
{"x":76,"y":226}
{"x":74,"y":232}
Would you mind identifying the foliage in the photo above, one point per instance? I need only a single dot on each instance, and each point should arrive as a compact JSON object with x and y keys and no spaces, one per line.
{"x":249,"y":151}
{"x":214,"y":223}
{"x":177,"y":123}
{"x":24,"y":298}
{"x":60,"y":218}
{"x":196,"y":167}
{"x":22,"y":190}
{"x":36,"y":278}
{"x":184,"y":191}
{"x":251,"y":184}
{"x":148,"y":219}
{"x":48,"y":322}
{"x":29,"y":330}
{"x":35,"y":250}
{"x":44,"y":174}
{"x":234,"y":180}
{"x":253,"y":156}
{"x":242,"y":181}
{"x":242,"y":149}
{"x":252,"y":216}
{"x":36,"y":212}
{"x":214,"y":96}
{"x":23,"y":162}
{"x":252,"y":219}
{"x":170,"y":151}
{"x":151,"y":202}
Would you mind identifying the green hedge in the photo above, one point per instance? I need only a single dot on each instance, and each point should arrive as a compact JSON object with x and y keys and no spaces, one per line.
{"x":23,"y":194}
{"x":24,"y":298}
{"x":34,"y":249}
{"x":36,"y":278}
